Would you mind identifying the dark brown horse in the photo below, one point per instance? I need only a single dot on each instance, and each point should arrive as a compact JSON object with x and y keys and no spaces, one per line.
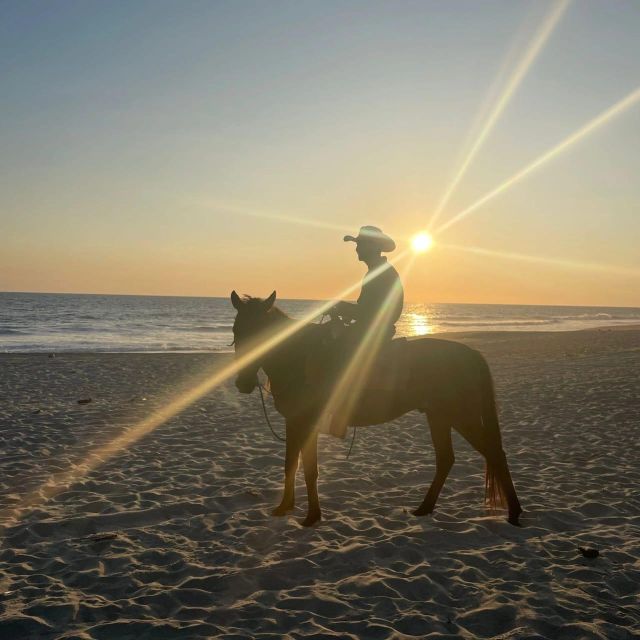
{"x":446,"y":380}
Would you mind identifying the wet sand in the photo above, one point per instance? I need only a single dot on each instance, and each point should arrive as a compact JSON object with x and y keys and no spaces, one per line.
{"x":172,"y":537}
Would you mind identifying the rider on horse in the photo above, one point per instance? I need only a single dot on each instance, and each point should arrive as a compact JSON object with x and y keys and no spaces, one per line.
{"x":381,"y":287}
{"x":371,"y":318}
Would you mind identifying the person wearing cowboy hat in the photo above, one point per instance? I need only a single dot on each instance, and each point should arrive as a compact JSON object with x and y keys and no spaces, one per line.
{"x":378,"y":308}
{"x":381,"y":287}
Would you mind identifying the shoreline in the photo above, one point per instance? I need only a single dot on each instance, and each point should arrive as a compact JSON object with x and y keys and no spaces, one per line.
{"x":456,"y":335}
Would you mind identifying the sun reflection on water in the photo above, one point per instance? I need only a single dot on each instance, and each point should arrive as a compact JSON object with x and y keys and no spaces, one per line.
{"x":420,"y":325}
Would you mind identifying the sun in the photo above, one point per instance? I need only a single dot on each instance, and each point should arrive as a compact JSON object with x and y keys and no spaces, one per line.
{"x":421,"y":242}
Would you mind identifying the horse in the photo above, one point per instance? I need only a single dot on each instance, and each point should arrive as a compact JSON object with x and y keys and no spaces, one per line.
{"x":447,"y":381}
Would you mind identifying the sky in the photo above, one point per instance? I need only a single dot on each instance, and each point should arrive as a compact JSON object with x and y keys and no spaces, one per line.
{"x":192,"y":148}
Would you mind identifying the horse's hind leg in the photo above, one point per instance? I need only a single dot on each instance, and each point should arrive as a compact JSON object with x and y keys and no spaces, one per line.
{"x":441,"y":436}
{"x":474,"y":433}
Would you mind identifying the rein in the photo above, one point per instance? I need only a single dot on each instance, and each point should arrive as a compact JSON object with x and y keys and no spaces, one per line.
{"x":353,"y":439}
{"x":266,"y":417}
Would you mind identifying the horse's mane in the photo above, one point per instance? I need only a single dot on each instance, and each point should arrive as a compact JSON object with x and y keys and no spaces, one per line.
{"x":255,"y":302}
{"x":304,"y":339}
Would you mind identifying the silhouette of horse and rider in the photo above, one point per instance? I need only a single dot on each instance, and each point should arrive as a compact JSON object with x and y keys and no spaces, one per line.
{"x":353,"y":366}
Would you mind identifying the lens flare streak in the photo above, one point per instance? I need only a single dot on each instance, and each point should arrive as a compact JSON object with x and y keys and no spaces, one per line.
{"x":570,"y":264}
{"x":278,"y":217}
{"x":58,"y":482}
{"x":607,"y":115}
{"x":534,"y":49}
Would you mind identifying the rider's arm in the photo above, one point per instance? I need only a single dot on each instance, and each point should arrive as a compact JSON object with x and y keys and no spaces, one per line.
{"x":363,"y":309}
{"x":346,"y":310}
{"x":379,"y":292}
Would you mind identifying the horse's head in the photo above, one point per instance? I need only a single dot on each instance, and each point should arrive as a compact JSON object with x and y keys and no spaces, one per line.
{"x":251,"y":327}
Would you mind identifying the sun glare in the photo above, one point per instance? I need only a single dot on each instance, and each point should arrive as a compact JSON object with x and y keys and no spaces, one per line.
{"x":421,"y":242}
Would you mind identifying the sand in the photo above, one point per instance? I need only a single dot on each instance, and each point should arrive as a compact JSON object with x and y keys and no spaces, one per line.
{"x":172,"y":537}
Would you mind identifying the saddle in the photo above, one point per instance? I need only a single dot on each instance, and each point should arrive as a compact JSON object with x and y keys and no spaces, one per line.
{"x":386,"y":373}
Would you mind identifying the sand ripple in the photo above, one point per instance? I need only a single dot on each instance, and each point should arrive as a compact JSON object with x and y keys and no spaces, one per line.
{"x":172,"y":538}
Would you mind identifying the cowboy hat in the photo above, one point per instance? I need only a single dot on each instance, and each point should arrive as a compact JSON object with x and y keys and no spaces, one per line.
{"x":373,"y":236}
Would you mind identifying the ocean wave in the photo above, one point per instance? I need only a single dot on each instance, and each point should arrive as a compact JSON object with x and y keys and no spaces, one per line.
{"x":496,"y":323}
{"x":78,"y":328}
{"x":45,"y":323}
{"x":588,"y":316}
{"x":216,"y":328}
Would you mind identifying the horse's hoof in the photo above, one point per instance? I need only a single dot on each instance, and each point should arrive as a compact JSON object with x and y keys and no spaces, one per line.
{"x":422,"y":511}
{"x":311,"y":519}
{"x":282,"y":510}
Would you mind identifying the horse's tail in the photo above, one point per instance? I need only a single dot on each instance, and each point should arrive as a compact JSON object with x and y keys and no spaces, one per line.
{"x":493,"y":494}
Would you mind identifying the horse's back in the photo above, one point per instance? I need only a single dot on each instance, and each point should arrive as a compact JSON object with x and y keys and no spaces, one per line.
{"x":436,"y":345}
{"x":447,"y":372}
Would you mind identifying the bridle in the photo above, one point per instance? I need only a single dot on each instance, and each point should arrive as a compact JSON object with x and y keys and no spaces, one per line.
{"x":262,"y":389}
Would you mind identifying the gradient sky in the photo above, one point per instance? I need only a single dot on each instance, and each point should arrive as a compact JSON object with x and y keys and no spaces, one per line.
{"x":132,"y":135}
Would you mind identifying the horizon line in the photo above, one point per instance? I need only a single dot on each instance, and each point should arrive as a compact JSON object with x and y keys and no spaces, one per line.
{"x":169,"y":295}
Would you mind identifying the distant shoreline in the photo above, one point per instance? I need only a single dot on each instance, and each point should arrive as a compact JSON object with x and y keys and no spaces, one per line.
{"x":43,"y":323}
{"x":446,"y":335}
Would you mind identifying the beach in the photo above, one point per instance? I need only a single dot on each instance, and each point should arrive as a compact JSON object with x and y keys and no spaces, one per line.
{"x":171,"y":536}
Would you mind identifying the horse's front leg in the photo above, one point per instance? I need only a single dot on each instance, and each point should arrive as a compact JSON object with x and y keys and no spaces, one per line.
{"x":290,"y":467}
{"x":310,"y":463}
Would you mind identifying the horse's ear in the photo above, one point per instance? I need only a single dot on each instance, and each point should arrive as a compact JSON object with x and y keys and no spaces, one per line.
{"x":235,"y":300}
{"x":268,"y":303}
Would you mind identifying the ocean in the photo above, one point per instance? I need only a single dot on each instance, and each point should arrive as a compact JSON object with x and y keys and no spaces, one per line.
{"x":42,"y":322}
